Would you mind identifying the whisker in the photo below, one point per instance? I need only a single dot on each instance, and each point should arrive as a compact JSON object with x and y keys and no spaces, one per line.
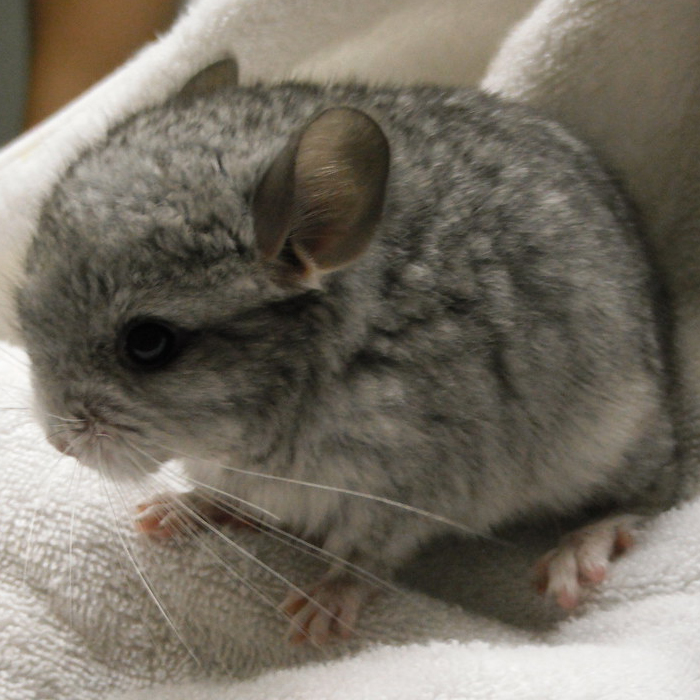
{"x":278,"y":533}
{"x":241,"y":578}
{"x":221,"y":562}
{"x":56,"y":426}
{"x":265,"y":567}
{"x":223,"y":501}
{"x":60,"y":431}
{"x":332,"y":489}
{"x":288,"y":538}
{"x":48,"y":484}
{"x":157,"y":646}
{"x":256,"y":560}
{"x":77,"y":470}
{"x":144,"y":579}
{"x":281,"y":535}
{"x":66,"y":419}
{"x":264,"y":511}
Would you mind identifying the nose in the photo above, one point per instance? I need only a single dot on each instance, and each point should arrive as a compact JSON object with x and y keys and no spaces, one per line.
{"x":61,"y":444}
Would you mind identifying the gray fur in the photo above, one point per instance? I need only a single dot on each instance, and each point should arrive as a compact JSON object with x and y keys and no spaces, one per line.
{"x":495,"y":353}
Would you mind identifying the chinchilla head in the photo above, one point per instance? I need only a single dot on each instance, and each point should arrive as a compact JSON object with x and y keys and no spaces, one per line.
{"x":174,"y":288}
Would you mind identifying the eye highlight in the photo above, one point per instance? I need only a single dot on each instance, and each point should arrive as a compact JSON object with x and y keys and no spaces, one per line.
{"x":149,"y":344}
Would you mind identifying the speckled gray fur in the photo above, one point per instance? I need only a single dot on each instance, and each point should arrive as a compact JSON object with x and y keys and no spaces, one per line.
{"x":493,"y":354}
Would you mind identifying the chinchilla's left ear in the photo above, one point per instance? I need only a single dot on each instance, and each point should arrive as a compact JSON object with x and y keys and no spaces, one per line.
{"x":223,"y":72}
{"x":319,"y":202}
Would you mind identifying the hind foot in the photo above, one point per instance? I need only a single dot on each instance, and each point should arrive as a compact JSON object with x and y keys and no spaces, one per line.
{"x":171,"y":514}
{"x":582,"y":557}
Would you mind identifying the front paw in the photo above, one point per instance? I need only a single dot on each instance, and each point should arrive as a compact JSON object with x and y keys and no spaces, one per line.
{"x":327,"y":610}
{"x":170,"y":514}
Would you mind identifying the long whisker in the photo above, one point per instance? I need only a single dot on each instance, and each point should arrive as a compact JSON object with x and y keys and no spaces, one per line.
{"x":213,"y":489}
{"x":251,"y":557}
{"x":65,"y":419}
{"x":234,"y":509}
{"x":281,"y":535}
{"x":207,"y":526}
{"x":258,"y":562}
{"x":228,"y":568}
{"x":128,"y":578}
{"x":333,"y":489}
{"x":48,"y":484}
{"x":61,"y":430}
{"x":144,"y":579}
{"x":77,"y":471}
{"x":224,"y":504}
{"x":315,"y":551}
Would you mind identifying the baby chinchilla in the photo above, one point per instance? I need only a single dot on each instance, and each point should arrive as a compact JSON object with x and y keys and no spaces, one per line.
{"x":330,"y":301}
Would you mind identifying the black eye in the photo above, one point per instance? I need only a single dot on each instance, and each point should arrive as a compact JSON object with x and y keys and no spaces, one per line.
{"x":150,"y":344}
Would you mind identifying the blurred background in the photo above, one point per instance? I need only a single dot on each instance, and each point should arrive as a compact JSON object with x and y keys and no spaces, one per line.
{"x":14,"y":68}
{"x":52,"y":50}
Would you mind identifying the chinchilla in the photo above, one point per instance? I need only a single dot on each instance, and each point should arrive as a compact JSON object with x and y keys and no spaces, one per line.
{"x":375,"y":313}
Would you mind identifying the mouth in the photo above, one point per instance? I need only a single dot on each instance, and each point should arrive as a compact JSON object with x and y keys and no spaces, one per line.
{"x":118,"y":450}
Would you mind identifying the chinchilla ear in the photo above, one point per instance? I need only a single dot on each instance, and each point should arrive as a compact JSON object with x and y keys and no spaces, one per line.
{"x":318,"y":203}
{"x":223,"y":72}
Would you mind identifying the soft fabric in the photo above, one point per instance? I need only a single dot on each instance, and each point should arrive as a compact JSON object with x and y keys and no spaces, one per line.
{"x":84,"y":602}
{"x":89,"y":609}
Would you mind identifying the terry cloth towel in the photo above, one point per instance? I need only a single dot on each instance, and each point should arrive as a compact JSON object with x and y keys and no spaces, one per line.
{"x":88,"y":609}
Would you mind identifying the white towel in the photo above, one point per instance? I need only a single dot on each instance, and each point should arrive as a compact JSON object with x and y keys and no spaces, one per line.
{"x":76,"y":619}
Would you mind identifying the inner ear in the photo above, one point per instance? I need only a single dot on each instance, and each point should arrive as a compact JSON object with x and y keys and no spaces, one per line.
{"x":322,"y":196}
{"x":209,"y":79}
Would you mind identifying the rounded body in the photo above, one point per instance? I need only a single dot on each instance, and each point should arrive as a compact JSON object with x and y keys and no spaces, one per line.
{"x":492,"y":351}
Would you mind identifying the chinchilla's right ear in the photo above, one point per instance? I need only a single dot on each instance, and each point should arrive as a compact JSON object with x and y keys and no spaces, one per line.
{"x":318,"y":204}
{"x":209,"y":79}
